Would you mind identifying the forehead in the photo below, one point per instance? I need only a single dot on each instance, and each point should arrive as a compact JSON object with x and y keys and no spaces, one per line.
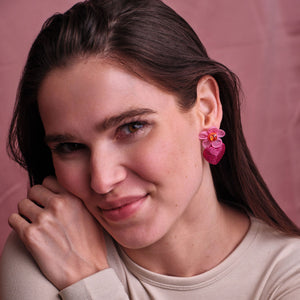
{"x":93,"y":88}
{"x":96,"y":75}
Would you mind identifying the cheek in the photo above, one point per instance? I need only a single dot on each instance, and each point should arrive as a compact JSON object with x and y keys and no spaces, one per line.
{"x":151,"y":159}
{"x":169,"y":158}
{"x":71,"y":176}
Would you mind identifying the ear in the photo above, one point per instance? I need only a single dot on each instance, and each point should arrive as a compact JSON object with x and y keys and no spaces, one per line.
{"x":208,"y":104}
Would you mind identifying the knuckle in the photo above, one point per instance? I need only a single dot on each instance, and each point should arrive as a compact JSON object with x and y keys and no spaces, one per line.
{"x":47,"y":180}
{"x":29,"y":234}
{"x":56,"y":203}
{"x":34,"y":190}
{"x":42,"y":217}
{"x":12,"y":219}
{"x":21,"y":205}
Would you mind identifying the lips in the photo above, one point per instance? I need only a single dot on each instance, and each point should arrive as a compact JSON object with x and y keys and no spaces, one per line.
{"x":121,"y":209}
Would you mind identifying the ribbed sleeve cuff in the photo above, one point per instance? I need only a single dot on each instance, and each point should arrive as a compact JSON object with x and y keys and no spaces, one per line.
{"x":102,"y":285}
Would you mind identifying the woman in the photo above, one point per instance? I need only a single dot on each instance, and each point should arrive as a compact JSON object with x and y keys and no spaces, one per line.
{"x":119,"y":122}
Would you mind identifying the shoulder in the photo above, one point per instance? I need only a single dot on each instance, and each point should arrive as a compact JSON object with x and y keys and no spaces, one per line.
{"x":15,"y":257}
{"x":15,"y":253}
{"x":274,"y":244}
{"x":271,"y":239}
{"x":280,"y":255}
{"x":20,"y":277}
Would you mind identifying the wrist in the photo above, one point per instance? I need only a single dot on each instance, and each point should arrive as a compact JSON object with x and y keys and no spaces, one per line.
{"x":78,"y":274}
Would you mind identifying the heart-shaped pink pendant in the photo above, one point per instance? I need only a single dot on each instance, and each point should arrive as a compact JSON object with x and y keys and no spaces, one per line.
{"x":214,"y":155}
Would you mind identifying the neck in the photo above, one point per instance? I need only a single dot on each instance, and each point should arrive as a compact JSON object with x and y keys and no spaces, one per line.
{"x":186,"y":251}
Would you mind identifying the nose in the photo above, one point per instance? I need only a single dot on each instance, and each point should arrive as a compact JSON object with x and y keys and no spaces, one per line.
{"x":106,"y":170}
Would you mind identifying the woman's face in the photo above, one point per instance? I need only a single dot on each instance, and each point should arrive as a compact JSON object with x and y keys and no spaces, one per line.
{"x":123,"y":146}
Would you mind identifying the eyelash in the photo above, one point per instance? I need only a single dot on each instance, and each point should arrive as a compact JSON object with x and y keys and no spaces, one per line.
{"x":67,"y":148}
{"x":133,"y":129}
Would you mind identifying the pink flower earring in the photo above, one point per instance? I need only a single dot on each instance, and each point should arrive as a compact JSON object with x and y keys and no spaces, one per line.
{"x":214,"y":148}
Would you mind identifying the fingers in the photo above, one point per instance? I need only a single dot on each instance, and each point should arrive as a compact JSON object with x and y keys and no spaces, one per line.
{"x":40,"y":195}
{"x":44,"y":194}
{"x":19,"y":224}
{"x":51,"y":183}
{"x":29,"y":210}
{"x":44,"y":201}
{"x":51,"y":196}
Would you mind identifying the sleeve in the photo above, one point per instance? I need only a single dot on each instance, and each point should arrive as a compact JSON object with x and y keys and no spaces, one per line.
{"x":292,"y":295}
{"x":21,"y":278}
{"x":102,"y":285}
{"x":285,"y":278}
{"x":289,"y":289}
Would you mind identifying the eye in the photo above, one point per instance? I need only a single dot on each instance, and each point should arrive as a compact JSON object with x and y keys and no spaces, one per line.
{"x":67,"y":148}
{"x":131,"y":129}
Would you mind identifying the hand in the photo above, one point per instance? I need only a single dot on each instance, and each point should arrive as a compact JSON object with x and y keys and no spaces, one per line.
{"x":65,"y":240}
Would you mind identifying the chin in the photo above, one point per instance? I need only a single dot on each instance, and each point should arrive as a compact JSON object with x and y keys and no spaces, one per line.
{"x":136,"y":239}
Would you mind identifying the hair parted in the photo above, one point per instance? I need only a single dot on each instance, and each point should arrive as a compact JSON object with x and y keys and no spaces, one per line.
{"x":151,"y":40}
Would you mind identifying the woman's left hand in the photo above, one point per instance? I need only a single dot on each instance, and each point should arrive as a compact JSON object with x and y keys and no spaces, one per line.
{"x":65,"y":240}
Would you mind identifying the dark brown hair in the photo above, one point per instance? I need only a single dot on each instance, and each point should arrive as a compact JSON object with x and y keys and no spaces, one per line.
{"x":142,"y":35}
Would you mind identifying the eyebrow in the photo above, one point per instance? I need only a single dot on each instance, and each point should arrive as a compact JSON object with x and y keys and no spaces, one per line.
{"x":58,"y":138}
{"x":118,"y":119}
{"x":105,"y":125}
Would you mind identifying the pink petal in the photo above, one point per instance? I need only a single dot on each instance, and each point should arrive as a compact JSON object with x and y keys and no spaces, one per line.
{"x":220,"y":133}
{"x":213,"y":129}
{"x":203,"y":135}
{"x":206,"y":144}
{"x":217,"y":143}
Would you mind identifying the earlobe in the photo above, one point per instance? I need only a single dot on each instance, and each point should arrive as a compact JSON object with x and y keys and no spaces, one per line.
{"x":208,"y":102}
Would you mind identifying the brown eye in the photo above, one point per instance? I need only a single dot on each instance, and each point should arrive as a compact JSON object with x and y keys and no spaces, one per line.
{"x":131,"y":129}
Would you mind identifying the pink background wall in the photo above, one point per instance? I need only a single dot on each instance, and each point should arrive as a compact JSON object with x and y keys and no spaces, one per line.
{"x":257,"y":39}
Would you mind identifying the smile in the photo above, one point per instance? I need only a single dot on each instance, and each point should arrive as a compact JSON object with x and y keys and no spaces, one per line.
{"x":122,"y":209}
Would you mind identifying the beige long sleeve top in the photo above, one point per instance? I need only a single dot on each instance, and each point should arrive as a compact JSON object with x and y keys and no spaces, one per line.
{"x":266,"y":265}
